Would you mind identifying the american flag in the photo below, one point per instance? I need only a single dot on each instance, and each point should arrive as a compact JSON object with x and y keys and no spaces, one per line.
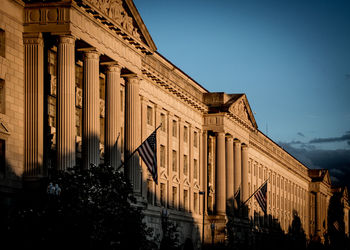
{"x":148,"y":152}
{"x":261,"y":197}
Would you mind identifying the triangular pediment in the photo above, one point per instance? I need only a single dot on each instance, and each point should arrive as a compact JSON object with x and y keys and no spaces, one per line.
{"x":163,"y":175}
{"x":239,"y":106}
{"x":327,"y":178}
{"x":124,"y":15}
{"x":176,"y":179}
{"x":4,"y":128}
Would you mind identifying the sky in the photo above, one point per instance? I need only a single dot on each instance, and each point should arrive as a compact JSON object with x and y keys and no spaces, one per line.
{"x":291,"y":59}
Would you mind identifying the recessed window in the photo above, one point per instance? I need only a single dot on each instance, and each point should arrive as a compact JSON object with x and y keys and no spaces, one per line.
{"x":162,"y":194}
{"x":2,"y":156}
{"x":162,"y":156}
{"x":163,"y":122}
{"x":186,"y":200}
{"x":174,"y":128}
{"x":149,"y":115}
{"x":2,"y":43}
{"x":174,"y":201}
{"x":195,"y":202}
{"x":2,"y":96}
{"x":195,"y":169}
{"x":185,"y":134}
{"x":185,"y":165}
{"x":174,"y":161}
{"x":195,"y":139}
{"x":149,"y":192}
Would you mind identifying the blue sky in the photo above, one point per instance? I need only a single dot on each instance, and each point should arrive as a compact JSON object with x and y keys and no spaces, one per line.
{"x":291,"y":58}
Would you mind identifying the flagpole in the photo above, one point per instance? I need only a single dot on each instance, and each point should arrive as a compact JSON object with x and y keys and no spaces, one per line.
{"x":129,"y":157}
{"x":256,"y":191}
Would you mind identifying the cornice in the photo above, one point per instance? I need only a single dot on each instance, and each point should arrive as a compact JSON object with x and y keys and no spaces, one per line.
{"x":281,"y":157}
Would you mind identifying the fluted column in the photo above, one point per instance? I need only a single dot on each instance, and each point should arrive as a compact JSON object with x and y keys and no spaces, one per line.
{"x":132,"y":129}
{"x":221,"y":174}
{"x":34,"y":87}
{"x":229,"y":171}
{"x":112,"y":114}
{"x":237,"y":166}
{"x":66,"y":103}
{"x":245,"y":191}
{"x":91,"y":109}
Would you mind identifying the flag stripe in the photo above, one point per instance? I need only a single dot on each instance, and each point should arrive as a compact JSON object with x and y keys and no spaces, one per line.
{"x":261,"y":197}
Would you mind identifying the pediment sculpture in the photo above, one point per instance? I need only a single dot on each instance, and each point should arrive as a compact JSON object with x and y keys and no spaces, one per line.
{"x":240,"y":110}
{"x":114,"y":9}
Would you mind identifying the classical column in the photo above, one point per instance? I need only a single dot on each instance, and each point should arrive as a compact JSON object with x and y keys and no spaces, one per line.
{"x":132,"y":130}
{"x":245,"y":191}
{"x":229,"y":171}
{"x":112,"y":114}
{"x":91,"y":109}
{"x":237,"y":167}
{"x":66,"y":103}
{"x":220,"y":176}
{"x":34,"y":109}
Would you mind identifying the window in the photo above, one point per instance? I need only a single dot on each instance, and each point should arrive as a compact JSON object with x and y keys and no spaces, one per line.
{"x":149,"y":115}
{"x":174,"y":193}
{"x":2,"y":96}
{"x":249,"y":166}
{"x":2,"y":156}
{"x":174,"y":161}
{"x":121,"y":100}
{"x":162,"y":156}
{"x":162,"y":194}
{"x":185,"y":134}
{"x":185,"y":165}
{"x":162,"y":120}
{"x":195,"y":169}
{"x":195,"y":202}
{"x":195,"y":139}
{"x":2,"y":43}
{"x":186,"y":200}
{"x":149,"y":192}
{"x":174,"y":128}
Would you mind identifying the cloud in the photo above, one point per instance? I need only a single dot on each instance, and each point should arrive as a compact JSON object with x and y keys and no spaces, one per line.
{"x":300,"y":134}
{"x":345,"y":137}
{"x":336,"y":161}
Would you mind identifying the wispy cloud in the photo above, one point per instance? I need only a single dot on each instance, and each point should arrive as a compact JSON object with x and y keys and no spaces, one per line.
{"x":345,"y":137}
{"x":300,"y":134}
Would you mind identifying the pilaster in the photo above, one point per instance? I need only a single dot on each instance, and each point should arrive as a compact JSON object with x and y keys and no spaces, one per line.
{"x":245,"y":191}
{"x":204,"y":170}
{"x":34,"y":108}
{"x":237,"y":166}
{"x":229,"y":171}
{"x":66,"y":103}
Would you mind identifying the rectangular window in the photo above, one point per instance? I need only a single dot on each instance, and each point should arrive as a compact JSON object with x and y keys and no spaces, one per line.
{"x":2,"y":43}
{"x":174,"y":161}
{"x":186,"y":200}
{"x":149,"y":191}
{"x":185,"y":134}
{"x":174,"y":128}
{"x":185,"y":165}
{"x":195,"y":202}
{"x":2,"y":156}
{"x":174,"y":193}
{"x":2,"y":96}
{"x":195,"y":139}
{"x":121,"y":100}
{"x":195,"y":169}
{"x":162,"y":120}
{"x":162,"y":194}
{"x":162,"y":156}
{"x":149,"y":115}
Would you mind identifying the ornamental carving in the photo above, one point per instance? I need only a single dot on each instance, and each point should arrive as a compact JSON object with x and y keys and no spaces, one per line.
{"x":240,"y":109}
{"x":78,"y":97}
{"x":114,"y":9}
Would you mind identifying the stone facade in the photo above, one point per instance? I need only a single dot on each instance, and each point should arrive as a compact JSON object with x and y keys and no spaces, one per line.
{"x":84,"y":84}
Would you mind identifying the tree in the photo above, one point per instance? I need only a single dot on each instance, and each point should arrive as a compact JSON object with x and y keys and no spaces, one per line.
{"x":95,"y":210}
{"x":296,"y":233}
{"x":336,"y":226}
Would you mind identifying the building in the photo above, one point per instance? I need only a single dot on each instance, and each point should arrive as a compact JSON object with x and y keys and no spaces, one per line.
{"x":82,"y":82}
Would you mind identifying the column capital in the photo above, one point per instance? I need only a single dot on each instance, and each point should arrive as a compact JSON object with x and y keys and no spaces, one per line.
{"x":245,"y":146}
{"x":229,"y":138}
{"x":91,"y":54}
{"x":69,"y":39}
{"x":33,"y":38}
{"x":220,"y":134}
{"x":237,"y":142}
{"x":114,"y":67}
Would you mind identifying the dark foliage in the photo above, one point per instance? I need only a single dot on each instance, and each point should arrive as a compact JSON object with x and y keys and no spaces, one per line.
{"x":170,"y":239}
{"x":94,"y":211}
{"x":296,"y":234}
